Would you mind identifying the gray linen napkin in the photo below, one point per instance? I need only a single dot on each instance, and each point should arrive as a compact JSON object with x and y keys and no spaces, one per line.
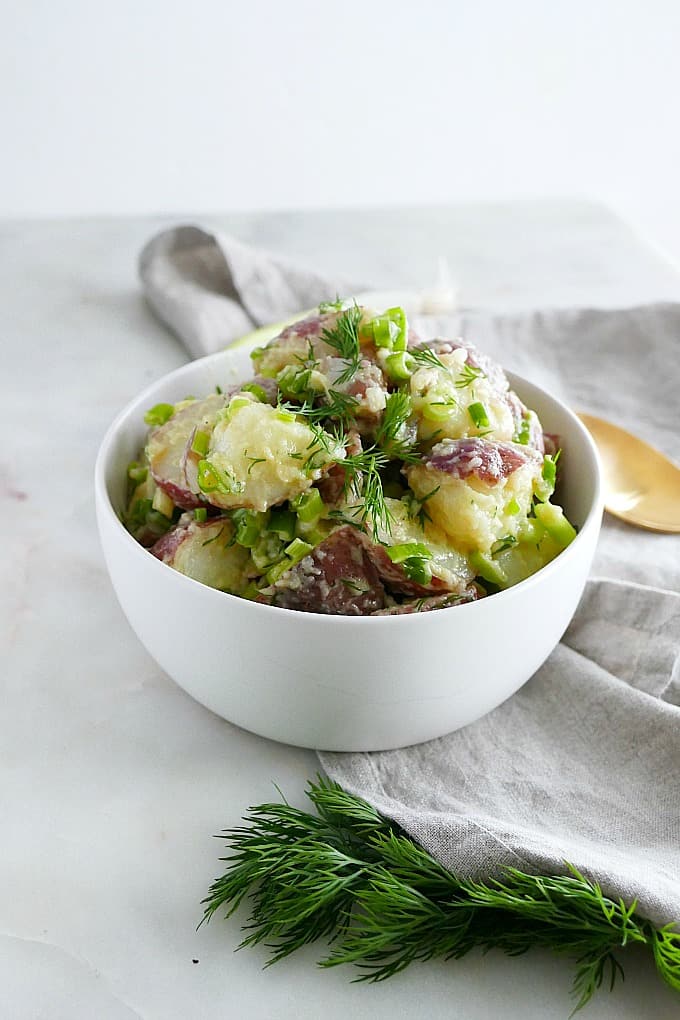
{"x":210,"y":289}
{"x":582,"y":764}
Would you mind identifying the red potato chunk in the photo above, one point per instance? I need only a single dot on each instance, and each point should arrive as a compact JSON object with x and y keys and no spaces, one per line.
{"x":203,"y":552}
{"x":522,"y":416}
{"x":303,"y":340}
{"x":260,"y":456}
{"x":338,"y":577}
{"x":394,"y":577}
{"x":450,"y":569}
{"x":167,"y":446}
{"x":480,"y":490}
{"x":293,"y":345}
{"x":427,"y":605}
{"x":475,"y":358}
{"x":489,"y":462}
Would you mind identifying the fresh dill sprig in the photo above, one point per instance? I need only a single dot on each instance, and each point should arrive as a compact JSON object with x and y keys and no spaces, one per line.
{"x":325,"y":442}
{"x":417,"y":509}
{"x":392,"y":435}
{"x":343,"y":337}
{"x":467,"y":376}
{"x":427,"y":358}
{"x":338,"y":406}
{"x":351,"y":876}
{"x":364,"y":468}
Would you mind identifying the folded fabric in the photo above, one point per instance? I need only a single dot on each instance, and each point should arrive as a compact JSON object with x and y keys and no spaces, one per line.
{"x":211,"y":289}
{"x":580,"y":765}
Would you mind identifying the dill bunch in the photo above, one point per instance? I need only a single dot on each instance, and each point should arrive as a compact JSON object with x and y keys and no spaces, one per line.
{"x":348,"y":875}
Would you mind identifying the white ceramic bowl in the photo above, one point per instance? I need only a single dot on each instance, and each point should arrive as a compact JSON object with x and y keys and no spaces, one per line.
{"x":337,"y":682}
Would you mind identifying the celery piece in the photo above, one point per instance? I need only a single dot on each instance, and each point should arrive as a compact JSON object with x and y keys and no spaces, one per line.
{"x":555,"y":523}
{"x":162,"y":503}
{"x":278,"y":570}
{"x":484,"y":566}
{"x":200,"y":443}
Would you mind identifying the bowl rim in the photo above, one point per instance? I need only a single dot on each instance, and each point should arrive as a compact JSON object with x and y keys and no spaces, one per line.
{"x":103,"y":503}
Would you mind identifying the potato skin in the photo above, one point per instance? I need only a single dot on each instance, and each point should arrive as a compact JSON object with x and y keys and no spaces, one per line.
{"x":294,"y":343}
{"x":337,"y":578}
{"x":427,"y":605}
{"x":203,"y":552}
{"x":167,"y":445}
{"x":476,"y":482}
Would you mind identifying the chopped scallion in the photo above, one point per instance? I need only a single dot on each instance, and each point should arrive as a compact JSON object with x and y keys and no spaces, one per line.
{"x":137,"y":472}
{"x":399,"y":553}
{"x":478,"y":414}
{"x":399,"y":366}
{"x":282,"y":523}
{"x":438,"y":410}
{"x":249,"y":525}
{"x":267,"y":551}
{"x":309,"y":506}
{"x":200,"y":515}
{"x":523,"y":433}
{"x":208,"y":478}
{"x":389,"y":330}
{"x":417,"y":570}
{"x":159,"y":414}
{"x":256,"y":390}
{"x":297,"y":550}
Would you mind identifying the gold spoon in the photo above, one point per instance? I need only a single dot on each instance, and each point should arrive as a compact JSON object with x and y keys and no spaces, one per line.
{"x":641,"y":484}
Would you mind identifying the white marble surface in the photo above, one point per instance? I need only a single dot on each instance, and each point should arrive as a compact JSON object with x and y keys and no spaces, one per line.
{"x":112,"y":781}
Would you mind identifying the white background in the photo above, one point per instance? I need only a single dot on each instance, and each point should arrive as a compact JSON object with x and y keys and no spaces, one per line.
{"x":154,"y":106}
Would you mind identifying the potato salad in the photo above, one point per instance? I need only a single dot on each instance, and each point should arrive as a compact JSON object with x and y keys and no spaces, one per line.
{"x":360,"y":471}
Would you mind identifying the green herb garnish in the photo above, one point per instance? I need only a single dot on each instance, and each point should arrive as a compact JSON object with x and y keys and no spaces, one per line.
{"x":391,"y":434}
{"x":427,"y":358}
{"x":343,"y":337}
{"x":350,"y":875}
{"x":364,"y":468}
{"x":467,"y":376}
